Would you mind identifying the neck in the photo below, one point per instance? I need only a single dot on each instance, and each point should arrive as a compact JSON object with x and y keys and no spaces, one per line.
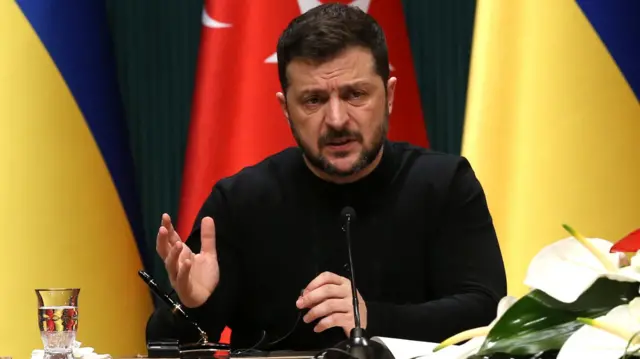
{"x":348,"y":179}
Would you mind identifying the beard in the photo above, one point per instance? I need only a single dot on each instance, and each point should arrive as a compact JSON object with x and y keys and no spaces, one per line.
{"x":366,"y":157}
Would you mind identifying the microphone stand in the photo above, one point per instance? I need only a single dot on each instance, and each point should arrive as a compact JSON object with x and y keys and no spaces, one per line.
{"x":358,"y":346}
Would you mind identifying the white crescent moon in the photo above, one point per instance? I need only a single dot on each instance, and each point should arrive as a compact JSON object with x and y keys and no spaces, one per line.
{"x":208,"y":21}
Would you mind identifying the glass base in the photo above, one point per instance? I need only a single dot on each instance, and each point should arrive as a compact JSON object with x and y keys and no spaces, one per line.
{"x":66,"y":354}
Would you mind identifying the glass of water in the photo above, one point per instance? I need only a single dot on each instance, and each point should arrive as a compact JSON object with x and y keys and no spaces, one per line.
{"x":58,"y":321}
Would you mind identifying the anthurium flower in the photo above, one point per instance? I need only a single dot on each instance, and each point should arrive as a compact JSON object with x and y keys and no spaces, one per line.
{"x":605,"y":337}
{"x":629,"y":246}
{"x":475,"y":337}
{"x":567,"y":268}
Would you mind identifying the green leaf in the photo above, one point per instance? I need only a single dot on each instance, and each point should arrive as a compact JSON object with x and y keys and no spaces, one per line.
{"x":538,"y":323}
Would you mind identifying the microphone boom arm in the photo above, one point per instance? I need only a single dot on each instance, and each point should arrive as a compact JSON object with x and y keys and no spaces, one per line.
{"x":354,"y":290}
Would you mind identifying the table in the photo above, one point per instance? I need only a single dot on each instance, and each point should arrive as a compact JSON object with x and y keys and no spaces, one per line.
{"x":271,"y":355}
{"x":265,"y":355}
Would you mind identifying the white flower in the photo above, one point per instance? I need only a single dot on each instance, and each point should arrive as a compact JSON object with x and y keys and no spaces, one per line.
{"x":596,"y":341}
{"x":477,"y":337}
{"x":567,"y":268}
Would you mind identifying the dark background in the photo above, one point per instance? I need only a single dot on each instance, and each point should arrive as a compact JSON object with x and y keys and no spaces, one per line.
{"x":156,"y":46}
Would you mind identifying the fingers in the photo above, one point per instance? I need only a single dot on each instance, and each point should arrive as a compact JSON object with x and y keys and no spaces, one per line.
{"x":185,"y":253}
{"x":171,"y":262}
{"x":326,"y":308}
{"x":329,"y":297}
{"x":166,"y":237}
{"x":319,"y":295}
{"x":166,"y":223}
{"x":178,"y":254}
{"x":162,"y":243}
{"x":342,"y":320}
{"x":325,"y":278}
{"x":182,"y":277}
{"x":208,"y":236}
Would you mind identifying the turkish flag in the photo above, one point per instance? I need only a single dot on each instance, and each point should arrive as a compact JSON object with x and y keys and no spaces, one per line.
{"x":236,"y":119}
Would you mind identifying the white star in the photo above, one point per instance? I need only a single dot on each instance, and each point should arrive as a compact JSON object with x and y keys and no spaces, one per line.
{"x":306,"y":5}
{"x":208,"y":21}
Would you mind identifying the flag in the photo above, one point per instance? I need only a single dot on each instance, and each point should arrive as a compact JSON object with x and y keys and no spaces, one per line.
{"x":553,"y":121}
{"x":236,"y":119}
{"x":68,"y":201}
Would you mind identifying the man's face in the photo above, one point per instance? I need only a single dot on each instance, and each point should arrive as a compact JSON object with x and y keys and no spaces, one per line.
{"x":338,"y":111}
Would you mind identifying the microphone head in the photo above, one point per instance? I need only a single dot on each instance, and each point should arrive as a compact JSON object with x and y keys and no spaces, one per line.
{"x":348,"y":212}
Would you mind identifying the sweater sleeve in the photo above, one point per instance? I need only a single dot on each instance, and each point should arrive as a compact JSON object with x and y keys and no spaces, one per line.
{"x":465,"y":270}
{"x":217,"y":311}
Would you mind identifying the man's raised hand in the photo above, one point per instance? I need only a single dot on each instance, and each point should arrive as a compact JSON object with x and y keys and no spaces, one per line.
{"x":193,"y":276}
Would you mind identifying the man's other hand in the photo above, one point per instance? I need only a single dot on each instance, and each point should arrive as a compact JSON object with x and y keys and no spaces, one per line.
{"x":329,"y":297}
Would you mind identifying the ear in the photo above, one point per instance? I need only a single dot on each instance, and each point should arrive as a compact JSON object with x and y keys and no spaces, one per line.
{"x":283,"y":105}
{"x":391,"y":88}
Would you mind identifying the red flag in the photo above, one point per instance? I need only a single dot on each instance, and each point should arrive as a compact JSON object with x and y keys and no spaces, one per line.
{"x":236,"y":119}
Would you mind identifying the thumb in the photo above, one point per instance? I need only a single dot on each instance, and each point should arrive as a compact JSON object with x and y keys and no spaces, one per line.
{"x":208,"y":236}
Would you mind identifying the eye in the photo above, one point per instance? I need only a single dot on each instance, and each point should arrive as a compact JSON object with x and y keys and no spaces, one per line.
{"x":357,"y":95}
{"x":312,"y":101}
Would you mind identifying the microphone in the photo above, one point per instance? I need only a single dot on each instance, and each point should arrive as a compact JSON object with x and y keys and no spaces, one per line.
{"x":358,"y":346}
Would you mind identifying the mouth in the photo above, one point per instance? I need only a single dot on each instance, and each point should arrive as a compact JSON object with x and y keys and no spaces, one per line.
{"x":340,"y":144}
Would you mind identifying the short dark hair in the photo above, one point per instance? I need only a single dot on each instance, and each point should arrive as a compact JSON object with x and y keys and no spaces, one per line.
{"x":325,"y":31}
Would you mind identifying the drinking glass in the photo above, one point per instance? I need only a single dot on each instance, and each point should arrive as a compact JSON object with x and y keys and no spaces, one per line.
{"x":58,"y":321}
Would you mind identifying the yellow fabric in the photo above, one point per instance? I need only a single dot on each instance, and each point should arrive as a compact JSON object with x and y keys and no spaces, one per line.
{"x":552,"y":129}
{"x":62,"y":221}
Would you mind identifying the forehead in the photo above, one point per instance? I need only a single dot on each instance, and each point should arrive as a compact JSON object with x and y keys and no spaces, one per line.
{"x":354,"y":63}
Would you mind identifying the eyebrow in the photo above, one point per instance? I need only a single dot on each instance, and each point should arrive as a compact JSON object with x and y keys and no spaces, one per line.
{"x":357,"y":83}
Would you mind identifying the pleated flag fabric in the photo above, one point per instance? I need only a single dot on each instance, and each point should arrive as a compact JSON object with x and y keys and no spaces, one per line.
{"x":553,"y":121}
{"x":67,"y":199}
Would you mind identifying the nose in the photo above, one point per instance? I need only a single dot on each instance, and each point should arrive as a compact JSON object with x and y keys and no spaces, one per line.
{"x":336,"y":116}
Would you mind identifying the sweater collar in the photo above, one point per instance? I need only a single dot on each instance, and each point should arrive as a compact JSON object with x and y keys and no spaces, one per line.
{"x":379,"y":177}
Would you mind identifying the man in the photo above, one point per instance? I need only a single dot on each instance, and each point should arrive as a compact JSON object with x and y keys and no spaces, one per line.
{"x":269,"y":240}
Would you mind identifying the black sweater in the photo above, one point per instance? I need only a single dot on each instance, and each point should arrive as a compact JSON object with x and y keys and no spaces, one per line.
{"x":426,"y":255}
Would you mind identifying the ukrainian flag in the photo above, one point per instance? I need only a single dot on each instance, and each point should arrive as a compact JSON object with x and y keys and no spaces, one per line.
{"x":67,"y":200}
{"x":553,"y":121}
